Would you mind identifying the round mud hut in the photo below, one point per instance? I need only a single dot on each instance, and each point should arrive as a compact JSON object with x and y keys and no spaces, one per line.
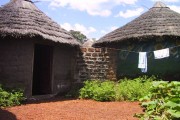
{"x":156,"y":29}
{"x":36,"y":54}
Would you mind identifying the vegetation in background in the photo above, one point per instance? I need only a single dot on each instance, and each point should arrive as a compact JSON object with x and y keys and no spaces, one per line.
{"x":163,"y":102}
{"x":10,"y":98}
{"x":125,"y":89}
{"x":78,"y":35}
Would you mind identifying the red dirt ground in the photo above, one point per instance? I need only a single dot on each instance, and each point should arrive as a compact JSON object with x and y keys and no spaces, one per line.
{"x":72,"y":110}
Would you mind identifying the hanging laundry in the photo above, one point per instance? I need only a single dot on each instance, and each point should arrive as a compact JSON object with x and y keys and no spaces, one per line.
{"x":159,"y":54}
{"x":143,"y":61}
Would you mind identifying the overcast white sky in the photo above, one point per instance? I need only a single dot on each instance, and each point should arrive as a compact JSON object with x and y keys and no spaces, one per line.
{"x":95,"y":18}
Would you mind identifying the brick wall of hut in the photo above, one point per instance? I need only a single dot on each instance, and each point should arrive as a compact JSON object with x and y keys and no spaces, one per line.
{"x":96,"y":63}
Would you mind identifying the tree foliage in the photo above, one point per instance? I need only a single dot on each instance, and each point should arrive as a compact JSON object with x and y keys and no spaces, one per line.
{"x":78,"y":35}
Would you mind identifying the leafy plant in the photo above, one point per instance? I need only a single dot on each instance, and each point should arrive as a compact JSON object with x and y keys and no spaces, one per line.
{"x":10,"y":98}
{"x":125,"y":89}
{"x":100,"y":91}
{"x":105,"y":91}
{"x":132,"y":90}
{"x":87,"y":91}
{"x":163,"y":102}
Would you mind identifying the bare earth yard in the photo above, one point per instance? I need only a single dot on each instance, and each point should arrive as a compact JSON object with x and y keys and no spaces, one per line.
{"x":72,"y":110}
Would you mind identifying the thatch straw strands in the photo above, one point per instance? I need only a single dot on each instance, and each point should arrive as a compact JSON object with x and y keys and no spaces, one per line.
{"x":158,"y":21}
{"x":22,"y":18}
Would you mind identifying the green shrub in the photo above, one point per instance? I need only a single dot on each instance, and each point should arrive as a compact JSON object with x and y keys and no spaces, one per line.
{"x":125,"y":89}
{"x":132,"y":90}
{"x":100,"y":91}
{"x":88,"y":90}
{"x":163,"y":102}
{"x":104,"y":92}
{"x":10,"y":98}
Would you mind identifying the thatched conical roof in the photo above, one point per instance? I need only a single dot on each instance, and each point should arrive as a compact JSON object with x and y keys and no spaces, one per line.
{"x":160,"y":20}
{"x":88,"y":43}
{"x":22,"y":18}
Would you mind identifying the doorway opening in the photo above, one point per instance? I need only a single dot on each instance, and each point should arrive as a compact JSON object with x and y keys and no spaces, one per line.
{"x":42,"y":70}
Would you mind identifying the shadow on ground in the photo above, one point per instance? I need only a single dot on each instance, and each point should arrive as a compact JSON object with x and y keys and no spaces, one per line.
{"x":53,"y":99}
{"x":6,"y":115}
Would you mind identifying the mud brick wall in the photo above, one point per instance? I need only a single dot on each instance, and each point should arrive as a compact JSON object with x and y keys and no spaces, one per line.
{"x":112,"y":66}
{"x":96,"y":63}
{"x":16,"y":60}
{"x":62,"y":68}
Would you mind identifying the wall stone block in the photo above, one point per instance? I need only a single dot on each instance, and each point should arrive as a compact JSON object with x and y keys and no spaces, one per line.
{"x":97,"y":49}
{"x":91,"y":50}
{"x":95,"y":55}
{"x":83,"y":50}
{"x":87,"y":54}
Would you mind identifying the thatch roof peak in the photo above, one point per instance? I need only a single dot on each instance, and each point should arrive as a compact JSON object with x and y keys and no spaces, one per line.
{"x":88,"y":43}
{"x":22,"y":3}
{"x":159,"y":4}
{"x":21,"y":0}
{"x":22,"y":18}
{"x":156,"y":22}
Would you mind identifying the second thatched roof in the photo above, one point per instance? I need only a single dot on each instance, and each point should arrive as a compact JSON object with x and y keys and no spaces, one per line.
{"x":22,"y":18}
{"x":160,"y":20}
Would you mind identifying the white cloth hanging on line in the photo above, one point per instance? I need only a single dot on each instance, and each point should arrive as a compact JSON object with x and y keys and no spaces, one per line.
{"x":159,"y":54}
{"x":143,"y":61}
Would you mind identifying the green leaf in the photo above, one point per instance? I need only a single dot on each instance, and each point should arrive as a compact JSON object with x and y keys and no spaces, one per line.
{"x":145,"y":98}
{"x":174,"y":113}
{"x":172,"y":104}
{"x":157,"y":83}
{"x":149,"y":103}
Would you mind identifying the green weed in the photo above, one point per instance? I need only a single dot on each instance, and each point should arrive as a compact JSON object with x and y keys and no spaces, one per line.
{"x":125,"y":89}
{"x":163,"y":102}
{"x":10,"y":98}
{"x":133,"y":90}
{"x":100,"y":91}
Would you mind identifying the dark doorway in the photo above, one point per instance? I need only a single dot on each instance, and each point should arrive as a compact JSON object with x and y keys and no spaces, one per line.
{"x":42,"y":72}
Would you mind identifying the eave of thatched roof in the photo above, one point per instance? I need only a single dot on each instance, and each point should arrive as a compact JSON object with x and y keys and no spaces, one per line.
{"x":22,"y":18}
{"x":158,"y":21}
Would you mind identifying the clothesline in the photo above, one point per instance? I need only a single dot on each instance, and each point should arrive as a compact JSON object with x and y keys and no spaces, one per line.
{"x":136,"y":51}
{"x":158,"y":54}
